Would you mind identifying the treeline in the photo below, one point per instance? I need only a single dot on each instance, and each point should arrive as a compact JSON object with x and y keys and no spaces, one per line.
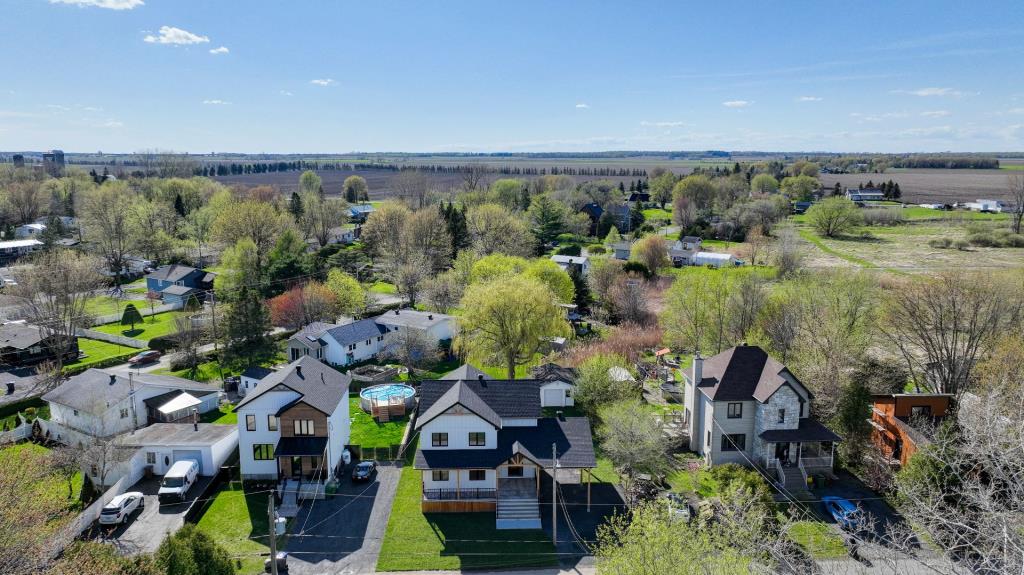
{"x":878,"y":163}
{"x":222,"y":169}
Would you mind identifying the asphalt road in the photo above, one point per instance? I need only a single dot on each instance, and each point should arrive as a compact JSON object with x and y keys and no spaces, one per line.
{"x":343,"y":533}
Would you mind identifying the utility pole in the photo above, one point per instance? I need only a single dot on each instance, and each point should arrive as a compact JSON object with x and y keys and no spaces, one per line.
{"x":554,"y":494}
{"x":273,"y":533}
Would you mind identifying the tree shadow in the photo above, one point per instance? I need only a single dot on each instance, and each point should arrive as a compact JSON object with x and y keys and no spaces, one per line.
{"x":132,"y":332}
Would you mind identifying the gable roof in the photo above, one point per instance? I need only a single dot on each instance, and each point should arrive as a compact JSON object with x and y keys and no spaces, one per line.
{"x":96,"y":387}
{"x":171,"y":273}
{"x":743,"y":373}
{"x":690,"y":239}
{"x":578,"y":260}
{"x":571,"y":435}
{"x":508,"y":398}
{"x":313,"y":332}
{"x":355,"y":331}
{"x":459,"y":394}
{"x":464,"y":371}
{"x":320,"y":386}
{"x":552,"y":372}
{"x":20,"y":335}
{"x":412,"y":318}
{"x":179,"y":290}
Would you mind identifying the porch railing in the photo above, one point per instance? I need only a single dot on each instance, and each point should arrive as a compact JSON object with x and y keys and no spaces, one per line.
{"x":813,"y":462}
{"x":455,"y":494}
{"x":779,"y":471}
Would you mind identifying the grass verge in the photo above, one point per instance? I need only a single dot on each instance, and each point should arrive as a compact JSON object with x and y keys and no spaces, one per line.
{"x":238,"y":522}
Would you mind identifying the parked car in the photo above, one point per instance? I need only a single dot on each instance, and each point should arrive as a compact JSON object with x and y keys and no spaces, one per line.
{"x":364,"y":470}
{"x":178,"y":480}
{"x":148,"y":356}
{"x":841,"y":510}
{"x":121,"y":508}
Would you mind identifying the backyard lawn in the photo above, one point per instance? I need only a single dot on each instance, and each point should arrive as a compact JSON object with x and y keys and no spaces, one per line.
{"x":366,"y":432}
{"x":151,"y":326}
{"x":222,"y":415}
{"x":383,"y":287}
{"x":447,"y":541}
{"x":53,"y":486}
{"x":97,"y":351}
{"x":817,"y":539}
{"x":238,"y":522}
{"x":205,"y":372}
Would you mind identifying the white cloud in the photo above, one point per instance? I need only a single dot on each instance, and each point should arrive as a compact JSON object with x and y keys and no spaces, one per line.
{"x":176,"y":36}
{"x":737,"y":103}
{"x":582,"y":106}
{"x":58,"y":107}
{"x":221,"y":50}
{"x":878,"y":117}
{"x":929,"y":92}
{"x":1015,"y":111}
{"x":323,"y":82}
{"x":216,"y":103}
{"x":662,"y":124}
{"x":286,"y":93}
{"x":112,"y":124}
{"x":808,"y":99}
{"x":108,"y":4}
{"x":936,"y":113}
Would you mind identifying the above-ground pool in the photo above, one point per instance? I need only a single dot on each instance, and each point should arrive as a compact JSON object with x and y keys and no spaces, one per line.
{"x":385,"y":393}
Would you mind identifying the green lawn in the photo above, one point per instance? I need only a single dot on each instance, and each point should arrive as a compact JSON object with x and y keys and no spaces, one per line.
{"x":136,"y":287}
{"x":366,"y":432}
{"x":700,"y":482}
{"x":205,"y":372}
{"x":52,"y":486}
{"x":818,"y":539}
{"x":415,"y":541}
{"x":657,"y":214}
{"x":814,"y":239}
{"x":238,"y":522}
{"x":97,"y":351}
{"x":31,"y":413}
{"x":104,"y":305}
{"x":383,"y":287}
{"x":151,"y":326}
{"x":222,"y":415}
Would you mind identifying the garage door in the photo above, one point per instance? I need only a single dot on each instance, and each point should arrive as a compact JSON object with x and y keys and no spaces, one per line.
{"x":554,"y":397}
{"x":196,"y":455}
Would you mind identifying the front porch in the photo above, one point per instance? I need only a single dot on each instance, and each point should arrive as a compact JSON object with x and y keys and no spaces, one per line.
{"x":794,"y":461}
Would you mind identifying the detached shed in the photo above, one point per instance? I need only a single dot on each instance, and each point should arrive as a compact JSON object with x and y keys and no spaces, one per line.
{"x":713,"y":259}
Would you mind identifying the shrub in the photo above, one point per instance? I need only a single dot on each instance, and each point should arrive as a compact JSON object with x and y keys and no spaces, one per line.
{"x":163,"y":343}
{"x":596,"y":250}
{"x":638,"y":268}
{"x":961,"y":244}
{"x":941,"y":243}
{"x":569,"y":251}
{"x":882,"y":216}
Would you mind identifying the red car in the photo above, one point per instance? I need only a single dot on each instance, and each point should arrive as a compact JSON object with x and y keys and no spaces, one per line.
{"x":148,"y":356}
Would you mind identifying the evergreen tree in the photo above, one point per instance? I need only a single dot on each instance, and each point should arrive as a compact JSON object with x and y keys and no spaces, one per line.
{"x":287,"y":261}
{"x":455,"y":219}
{"x":622,"y":188}
{"x":131,"y":316}
{"x":179,"y":205}
{"x":246,"y":334}
{"x":295,"y":206}
{"x":736,"y":168}
{"x":581,"y":297}
{"x":896,"y":193}
{"x":837,"y":190}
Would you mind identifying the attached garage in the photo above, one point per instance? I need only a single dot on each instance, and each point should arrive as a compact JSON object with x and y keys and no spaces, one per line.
{"x":161,"y":445}
{"x":196,"y":455}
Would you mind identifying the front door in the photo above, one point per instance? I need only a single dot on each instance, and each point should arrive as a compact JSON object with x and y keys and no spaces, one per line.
{"x":296,"y":467}
{"x":782,"y":452}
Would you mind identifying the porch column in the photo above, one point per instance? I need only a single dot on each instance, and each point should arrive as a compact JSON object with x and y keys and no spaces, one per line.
{"x":831,"y":455}
{"x":590,"y":480}
{"x":536,"y":475}
{"x":458,"y":484}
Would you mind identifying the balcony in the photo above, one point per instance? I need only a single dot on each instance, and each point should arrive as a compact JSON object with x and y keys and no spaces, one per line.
{"x":469,"y":494}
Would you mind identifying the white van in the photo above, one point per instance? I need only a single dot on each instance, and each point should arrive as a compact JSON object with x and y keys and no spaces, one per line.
{"x":178,"y":479}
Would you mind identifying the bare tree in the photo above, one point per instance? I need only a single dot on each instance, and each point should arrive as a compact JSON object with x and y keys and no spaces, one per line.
{"x":474,"y":177}
{"x":56,"y":289}
{"x":412,"y":348}
{"x":746,"y":298}
{"x":756,"y":242}
{"x":26,"y":201}
{"x":942,"y":326}
{"x":410,"y":276}
{"x":187,"y":339}
{"x":788,"y":257}
{"x":628,"y":298}
{"x":320,"y":216}
{"x":1016,"y":184}
{"x":411,"y":185}
{"x":107,"y":213}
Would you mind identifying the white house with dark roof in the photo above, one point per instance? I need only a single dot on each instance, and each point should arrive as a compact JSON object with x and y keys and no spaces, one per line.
{"x":294,"y":425}
{"x":101,"y":403}
{"x":742,"y":406}
{"x":681,"y":251}
{"x":161,"y":445}
{"x":365,"y":339}
{"x":579,"y":263}
{"x":485,"y":445}
{"x":251,"y":377}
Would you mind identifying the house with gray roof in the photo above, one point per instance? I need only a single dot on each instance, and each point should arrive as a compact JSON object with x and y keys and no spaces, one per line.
{"x":157,"y":447}
{"x":293,"y":427}
{"x":103,"y":403}
{"x":22,"y":343}
{"x":486,"y":445}
{"x":743,"y":406}
{"x":176,"y":283}
{"x":465,"y":371}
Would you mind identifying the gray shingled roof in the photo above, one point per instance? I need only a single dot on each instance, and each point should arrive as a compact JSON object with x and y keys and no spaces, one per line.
{"x":171,"y":273}
{"x":512,"y":398}
{"x":20,"y":335}
{"x":458,"y":394}
{"x":321,"y":386}
{"x":178,"y":290}
{"x":742,"y":373}
{"x":464,"y":371}
{"x":256,"y":372}
{"x":412,"y":318}
{"x":554,"y":372}
{"x":571,"y":436}
{"x":313,"y":332}
{"x":356,"y":331}
{"x":96,"y":387}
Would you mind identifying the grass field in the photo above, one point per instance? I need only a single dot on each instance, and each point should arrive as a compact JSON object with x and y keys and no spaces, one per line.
{"x":222,"y":415}
{"x":205,"y":372}
{"x":238,"y":522}
{"x":383,"y":288}
{"x":817,"y":539}
{"x":366,"y":432}
{"x":415,"y":541}
{"x":54,"y":486}
{"x":97,"y":351}
{"x":151,"y":326}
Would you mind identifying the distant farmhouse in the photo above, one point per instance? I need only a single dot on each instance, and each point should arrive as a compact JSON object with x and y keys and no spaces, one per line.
{"x":865,"y":195}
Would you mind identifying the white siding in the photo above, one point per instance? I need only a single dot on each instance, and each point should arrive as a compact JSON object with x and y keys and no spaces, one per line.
{"x":337,"y":354}
{"x":340,"y":429}
{"x":458,"y":428}
{"x":459,"y":478}
{"x":554,"y":394}
{"x":718,"y":421}
{"x":267,"y":404}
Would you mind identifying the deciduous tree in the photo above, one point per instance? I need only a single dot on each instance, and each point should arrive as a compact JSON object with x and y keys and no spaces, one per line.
{"x":833,"y":217}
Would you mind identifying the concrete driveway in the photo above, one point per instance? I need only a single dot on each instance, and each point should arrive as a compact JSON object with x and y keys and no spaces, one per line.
{"x":343,"y":533}
{"x":146,"y":530}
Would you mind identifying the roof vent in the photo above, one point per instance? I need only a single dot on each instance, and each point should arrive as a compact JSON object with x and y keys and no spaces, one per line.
{"x":430,"y":316}
{"x":298,"y":370}
{"x":113,"y":379}
{"x":396,"y":312}
{"x":10,"y":388}
{"x":480,"y":377}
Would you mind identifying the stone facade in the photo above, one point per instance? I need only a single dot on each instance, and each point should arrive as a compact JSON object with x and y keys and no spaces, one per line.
{"x":767,"y":417}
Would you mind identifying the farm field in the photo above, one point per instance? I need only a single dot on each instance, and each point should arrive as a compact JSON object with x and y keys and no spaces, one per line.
{"x":925,"y":185}
{"x":905,"y":249}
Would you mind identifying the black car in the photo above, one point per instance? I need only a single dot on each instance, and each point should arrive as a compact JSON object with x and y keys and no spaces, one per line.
{"x":364,"y":470}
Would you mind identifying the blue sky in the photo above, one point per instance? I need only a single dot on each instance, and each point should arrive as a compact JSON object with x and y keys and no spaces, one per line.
{"x":303,"y":77}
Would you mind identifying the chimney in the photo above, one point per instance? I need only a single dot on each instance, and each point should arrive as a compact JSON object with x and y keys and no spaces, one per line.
{"x":10,"y":388}
{"x":396,"y":312}
{"x":480,"y":377}
{"x":195,"y":419}
{"x":298,"y":370}
{"x":113,"y":379}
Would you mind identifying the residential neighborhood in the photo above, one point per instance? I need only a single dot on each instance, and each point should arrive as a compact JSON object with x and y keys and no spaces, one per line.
{"x":332,"y":288}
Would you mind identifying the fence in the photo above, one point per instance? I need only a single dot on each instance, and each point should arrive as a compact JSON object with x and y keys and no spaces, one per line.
{"x":389,"y":453}
{"x":143,"y":307}
{"x":111,"y":338}
{"x":91,"y":513}
{"x":20,"y":433}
